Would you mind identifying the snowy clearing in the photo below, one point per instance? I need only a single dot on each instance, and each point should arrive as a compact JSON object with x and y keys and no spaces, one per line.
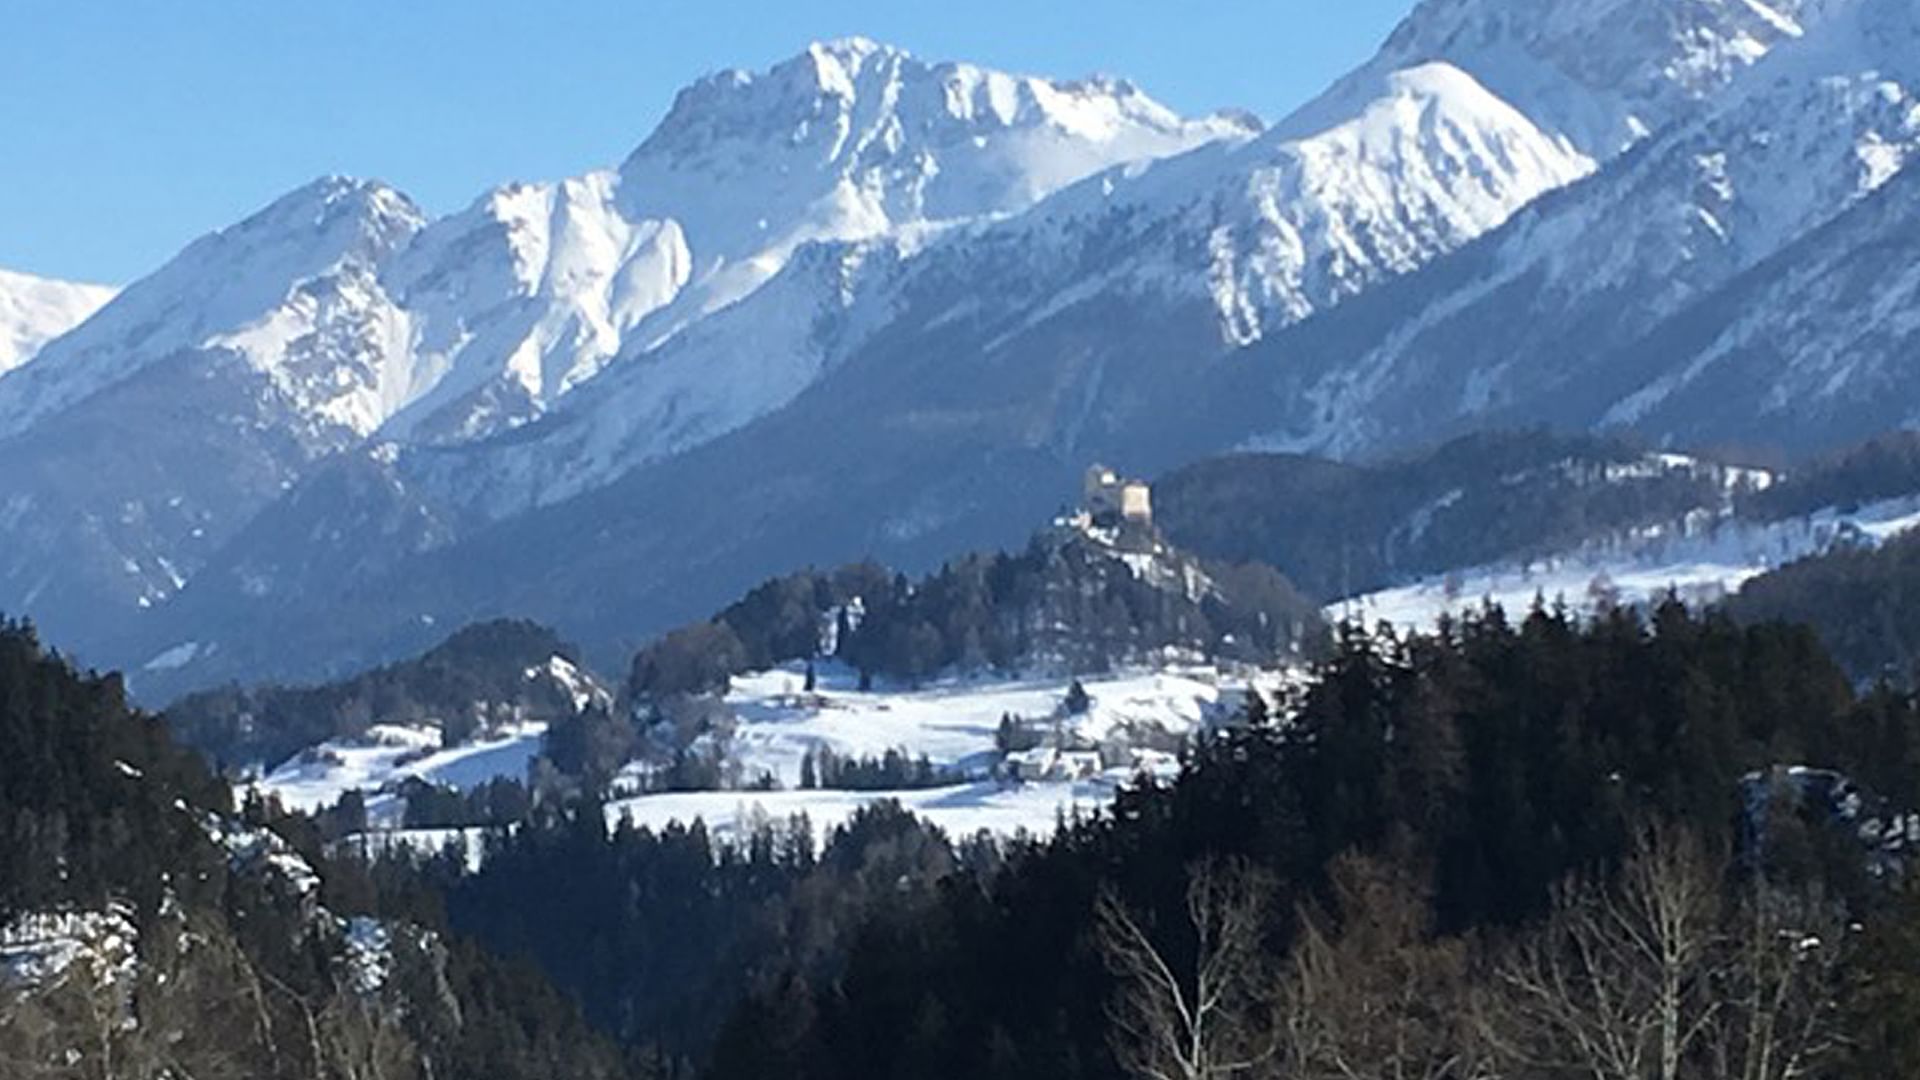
{"x":388,"y":754}
{"x":1702,"y":565}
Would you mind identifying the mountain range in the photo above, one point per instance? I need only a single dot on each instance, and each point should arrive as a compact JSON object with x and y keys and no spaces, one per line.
{"x":861,"y":303}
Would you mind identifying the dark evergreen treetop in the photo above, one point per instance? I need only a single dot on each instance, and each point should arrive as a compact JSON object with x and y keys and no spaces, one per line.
{"x":1863,"y":601}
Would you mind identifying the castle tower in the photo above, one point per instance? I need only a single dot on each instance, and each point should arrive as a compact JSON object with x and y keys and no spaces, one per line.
{"x":1136,"y":503}
{"x":1111,"y":500}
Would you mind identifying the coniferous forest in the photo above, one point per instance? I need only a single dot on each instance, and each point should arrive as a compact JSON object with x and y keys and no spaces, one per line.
{"x":1668,"y":845}
{"x":214,"y":941}
{"x":1531,"y":849}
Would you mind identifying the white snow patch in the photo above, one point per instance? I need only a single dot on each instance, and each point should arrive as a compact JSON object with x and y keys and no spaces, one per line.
{"x":38,"y":948}
{"x":388,"y":754}
{"x":175,"y":658}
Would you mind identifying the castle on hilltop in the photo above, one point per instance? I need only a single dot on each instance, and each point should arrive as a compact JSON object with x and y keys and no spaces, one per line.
{"x":1110,"y":500}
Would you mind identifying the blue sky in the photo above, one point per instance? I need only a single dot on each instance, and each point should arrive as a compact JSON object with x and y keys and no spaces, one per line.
{"x":128,"y":127}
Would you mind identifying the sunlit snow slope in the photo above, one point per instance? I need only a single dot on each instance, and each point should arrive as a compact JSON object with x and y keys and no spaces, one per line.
{"x":35,"y":310}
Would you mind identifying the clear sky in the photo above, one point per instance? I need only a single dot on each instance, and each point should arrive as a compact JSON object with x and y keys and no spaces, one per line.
{"x":129,"y":127}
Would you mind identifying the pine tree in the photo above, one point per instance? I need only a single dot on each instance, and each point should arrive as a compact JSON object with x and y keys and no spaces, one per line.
{"x":1078,"y":700}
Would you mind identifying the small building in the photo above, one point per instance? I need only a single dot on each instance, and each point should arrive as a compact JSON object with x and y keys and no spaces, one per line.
{"x":1112,"y":500}
{"x":1045,"y":764}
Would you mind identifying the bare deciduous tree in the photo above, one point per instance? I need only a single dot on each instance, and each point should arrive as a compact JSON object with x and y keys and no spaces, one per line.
{"x":1617,"y":984}
{"x":1661,"y":977}
{"x":1200,"y":1009}
{"x":1778,"y":987}
{"x":1369,"y":994}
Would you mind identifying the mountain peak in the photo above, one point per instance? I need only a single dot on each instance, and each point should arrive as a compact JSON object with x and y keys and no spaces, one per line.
{"x":854,"y":140}
{"x":332,"y":202}
{"x":851,"y":52}
{"x":846,"y":96}
{"x":265,"y":288}
{"x":1600,"y":74}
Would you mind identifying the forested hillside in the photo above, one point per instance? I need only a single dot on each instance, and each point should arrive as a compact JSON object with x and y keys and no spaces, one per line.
{"x":1430,"y":857}
{"x":1443,"y":849}
{"x":484,"y":672}
{"x":149,"y":931}
{"x":1072,"y":600}
{"x":1881,"y":468}
{"x":1340,"y":528}
{"x":1864,"y":602}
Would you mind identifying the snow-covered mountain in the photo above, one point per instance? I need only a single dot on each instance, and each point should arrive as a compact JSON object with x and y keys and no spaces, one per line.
{"x":140,"y":441}
{"x":1808,"y":132}
{"x":368,"y":316}
{"x":35,"y":310}
{"x":1469,"y":112}
{"x":292,"y":294}
{"x":966,"y":383}
{"x":1261,"y":231}
{"x":1818,"y":340}
{"x":340,"y":312}
{"x":864,"y":303}
{"x":1288,"y":225}
{"x":530,"y":292}
{"x":1598,"y":74}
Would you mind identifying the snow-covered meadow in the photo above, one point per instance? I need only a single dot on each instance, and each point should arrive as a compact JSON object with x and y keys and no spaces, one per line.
{"x":1134,"y":724}
{"x":1704,"y":562}
{"x":388,"y":755}
{"x":1133,"y":721}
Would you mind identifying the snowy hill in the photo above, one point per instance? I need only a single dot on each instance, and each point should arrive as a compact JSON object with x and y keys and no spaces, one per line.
{"x":1337,"y":528}
{"x":1703,"y":560}
{"x":35,"y":310}
{"x":1136,"y":724}
{"x":489,"y":681}
{"x":1015,"y":684}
